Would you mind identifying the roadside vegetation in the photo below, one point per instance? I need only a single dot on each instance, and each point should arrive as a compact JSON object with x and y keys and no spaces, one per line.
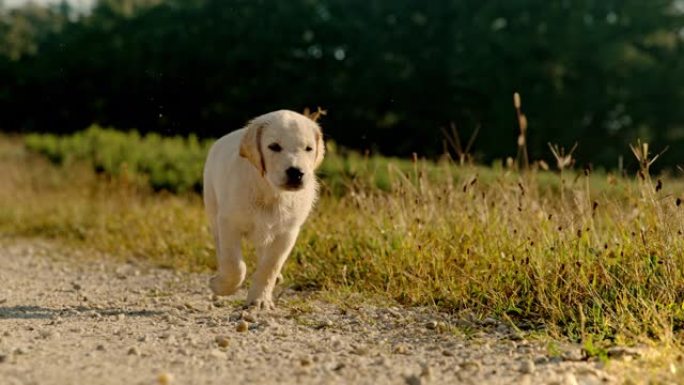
{"x":586,"y":255}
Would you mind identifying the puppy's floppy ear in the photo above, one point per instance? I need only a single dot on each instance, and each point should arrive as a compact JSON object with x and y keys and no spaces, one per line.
{"x":320,"y":144}
{"x":250,"y":146}
{"x":320,"y":147}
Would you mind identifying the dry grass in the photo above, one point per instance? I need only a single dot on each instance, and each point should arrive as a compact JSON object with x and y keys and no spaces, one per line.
{"x":107,"y":214}
{"x":592,"y":258}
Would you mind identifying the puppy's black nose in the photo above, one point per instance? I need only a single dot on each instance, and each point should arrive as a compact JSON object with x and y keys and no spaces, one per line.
{"x":294,"y":175}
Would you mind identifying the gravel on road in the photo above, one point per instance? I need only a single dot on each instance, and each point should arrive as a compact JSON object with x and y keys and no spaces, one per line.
{"x":70,"y":319}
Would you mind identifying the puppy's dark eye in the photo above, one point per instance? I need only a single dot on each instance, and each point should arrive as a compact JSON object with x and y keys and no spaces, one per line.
{"x":275,"y":147}
{"x":308,"y":149}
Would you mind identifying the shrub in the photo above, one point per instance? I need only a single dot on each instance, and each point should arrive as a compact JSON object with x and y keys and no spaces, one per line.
{"x":166,"y":163}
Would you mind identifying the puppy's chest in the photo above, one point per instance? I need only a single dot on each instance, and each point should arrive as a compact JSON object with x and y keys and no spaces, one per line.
{"x":270,"y":219}
{"x":275,"y":217}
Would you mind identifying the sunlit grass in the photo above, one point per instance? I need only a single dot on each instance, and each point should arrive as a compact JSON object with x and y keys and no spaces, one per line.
{"x":106,"y":213}
{"x":593,"y":257}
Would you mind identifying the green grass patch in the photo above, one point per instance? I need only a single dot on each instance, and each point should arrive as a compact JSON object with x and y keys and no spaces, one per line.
{"x":589,"y":257}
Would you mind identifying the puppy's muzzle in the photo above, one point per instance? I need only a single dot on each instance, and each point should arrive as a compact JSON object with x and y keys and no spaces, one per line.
{"x":294,"y":178}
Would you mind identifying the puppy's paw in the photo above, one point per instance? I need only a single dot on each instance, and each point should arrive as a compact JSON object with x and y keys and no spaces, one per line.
{"x":221,"y":286}
{"x":261,"y":304}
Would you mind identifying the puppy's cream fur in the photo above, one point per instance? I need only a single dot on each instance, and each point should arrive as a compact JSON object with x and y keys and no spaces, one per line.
{"x":246,"y":194}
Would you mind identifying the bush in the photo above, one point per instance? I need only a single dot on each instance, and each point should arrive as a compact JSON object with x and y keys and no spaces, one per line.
{"x":166,"y":163}
{"x":175,"y":164}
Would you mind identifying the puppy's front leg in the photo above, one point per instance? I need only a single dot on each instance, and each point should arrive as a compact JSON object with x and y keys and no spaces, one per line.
{"x":231,"y":268}
{"x":272,"y":257}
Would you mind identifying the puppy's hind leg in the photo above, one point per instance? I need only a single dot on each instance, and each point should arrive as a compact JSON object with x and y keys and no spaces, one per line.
{"x":231,"y":268}
{"x":272,"y":257}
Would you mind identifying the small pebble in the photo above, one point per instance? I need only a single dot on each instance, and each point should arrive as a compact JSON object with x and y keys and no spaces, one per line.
{"x":620,"y":352}
{"x":447,"y":353}
{"x":336,"y":343}
{"x":527,"y":367}
{"x":471,"y":366}
{"x":242,"y":327}
{"x":120,"y":316}
{"x":587,"y":371}
{"x":400,"y":349}
{"x":100,"y":347}
{"x":248,"y":317}
{"x":572,"y":355}
{"x":183,"y":352}
{"x":526,"y":379}
{"x":425,"y":371}
{"x":432,"y":325}
{"x":489,"y":322}
{"x":305,"y":361}
{"x":46,"y":334}
{"x":360,"y":350}
{"x":325,"y":324}
{"x":218,"y":354}
{"x":541,"y":360}
{"x":570,"y":379}
{"x":516,"y":337}
{"x":222,"y":341}
{"x":165,"y":378}
{"x":133,"y":351}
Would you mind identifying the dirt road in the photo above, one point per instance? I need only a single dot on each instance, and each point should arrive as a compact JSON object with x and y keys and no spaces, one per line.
{"x":99,"y":322}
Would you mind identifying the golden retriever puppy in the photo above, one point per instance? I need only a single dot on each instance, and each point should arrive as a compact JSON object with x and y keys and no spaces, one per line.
{"x":259,"y":183}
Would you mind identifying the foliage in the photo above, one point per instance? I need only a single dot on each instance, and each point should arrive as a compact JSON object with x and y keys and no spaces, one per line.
{"x":23,"y":30}
{"x":590,"y":257}
{"x":391,"y":73}
{"x":173,"y":164}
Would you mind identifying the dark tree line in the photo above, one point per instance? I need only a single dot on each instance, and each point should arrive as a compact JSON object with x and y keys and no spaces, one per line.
{"x":392,"y":73}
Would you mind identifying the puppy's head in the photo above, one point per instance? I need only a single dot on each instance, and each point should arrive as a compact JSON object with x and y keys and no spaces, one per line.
{"x":286,"y":148}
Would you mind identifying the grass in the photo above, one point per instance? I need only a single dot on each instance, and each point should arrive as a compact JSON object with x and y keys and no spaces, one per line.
{"x":592,"y":257}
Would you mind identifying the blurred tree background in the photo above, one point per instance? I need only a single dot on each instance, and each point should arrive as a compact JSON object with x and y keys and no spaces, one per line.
{"x":392,"y":73}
